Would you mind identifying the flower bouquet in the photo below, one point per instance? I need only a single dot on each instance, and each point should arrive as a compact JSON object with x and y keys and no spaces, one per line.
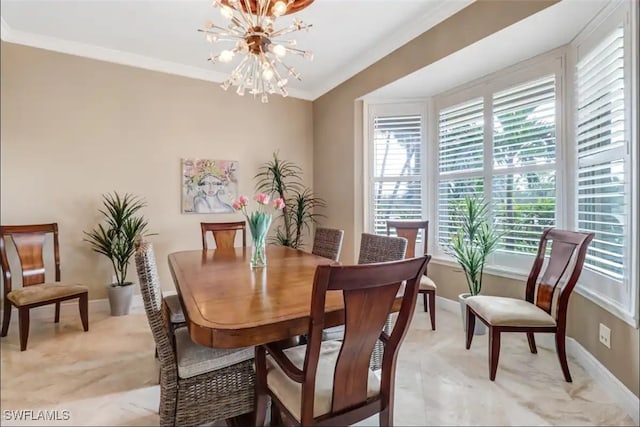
{"x":259,"y":223}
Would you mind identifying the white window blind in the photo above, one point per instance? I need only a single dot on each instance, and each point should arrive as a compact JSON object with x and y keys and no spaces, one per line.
{"x":603,"y":204}
{"x":524,"y":156}
{"x":397,"y":164}
{"x":461,"y":144}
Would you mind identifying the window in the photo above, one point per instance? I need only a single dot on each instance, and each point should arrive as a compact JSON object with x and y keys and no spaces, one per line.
{"x":502,"y":146}
{"x":396,"y":133}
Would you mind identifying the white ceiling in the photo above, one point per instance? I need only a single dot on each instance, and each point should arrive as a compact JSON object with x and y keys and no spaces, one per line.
{"x":347,"y":35}
{"x":548,"y":29}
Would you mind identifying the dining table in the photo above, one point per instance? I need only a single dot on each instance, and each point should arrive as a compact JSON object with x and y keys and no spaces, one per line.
{"x":228,"y":304}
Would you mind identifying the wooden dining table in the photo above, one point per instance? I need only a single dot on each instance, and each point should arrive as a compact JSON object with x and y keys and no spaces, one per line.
{"x":230,"y":305}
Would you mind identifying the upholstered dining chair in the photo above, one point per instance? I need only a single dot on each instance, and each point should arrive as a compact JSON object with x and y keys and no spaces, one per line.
{"x":29,"y":242}
{"x":327,"y":243}
{"x":330,"y":382}
{"x":198,"y":384}
{"x":544,"y":308}
{"x":410,"y":230}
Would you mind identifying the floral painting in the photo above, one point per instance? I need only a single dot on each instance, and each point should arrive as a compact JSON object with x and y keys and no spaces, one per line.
{"x":209,"y":186}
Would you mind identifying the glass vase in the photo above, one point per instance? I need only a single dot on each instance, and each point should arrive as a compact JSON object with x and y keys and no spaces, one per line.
{"x":259,"y":253}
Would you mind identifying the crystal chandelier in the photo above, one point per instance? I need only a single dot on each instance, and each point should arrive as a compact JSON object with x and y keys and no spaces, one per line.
{"x":262,"y":70}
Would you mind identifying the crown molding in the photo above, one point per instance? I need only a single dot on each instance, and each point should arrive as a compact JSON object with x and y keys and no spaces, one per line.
{"x":119,"y":57}
{"x":388,"y":44}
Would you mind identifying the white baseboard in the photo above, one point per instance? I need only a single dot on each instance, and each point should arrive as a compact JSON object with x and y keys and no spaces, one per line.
{"x":618,"y":392}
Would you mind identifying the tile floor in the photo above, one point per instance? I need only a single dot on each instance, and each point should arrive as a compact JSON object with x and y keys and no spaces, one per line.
{"x":108,"y":376}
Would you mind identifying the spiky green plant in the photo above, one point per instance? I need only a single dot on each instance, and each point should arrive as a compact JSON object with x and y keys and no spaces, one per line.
{"x":475,"y":240}
{"x":116,"y":238}
{"x":283,"y":178}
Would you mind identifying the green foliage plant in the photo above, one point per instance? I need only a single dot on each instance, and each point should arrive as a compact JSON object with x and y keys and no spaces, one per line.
{"x":474,"y":241}
{"x":116,"y":238}
{"x":283,"y":178}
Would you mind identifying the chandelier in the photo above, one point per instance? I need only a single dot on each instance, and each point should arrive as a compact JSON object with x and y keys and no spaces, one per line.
{"x":251,"y":30}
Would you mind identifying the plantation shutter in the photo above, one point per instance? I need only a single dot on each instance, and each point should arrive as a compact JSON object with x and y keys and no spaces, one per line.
{"x":460,"y":162}
{"x":602,"y":179}
{"x":397,"y":186}
{"x":524,"y":155}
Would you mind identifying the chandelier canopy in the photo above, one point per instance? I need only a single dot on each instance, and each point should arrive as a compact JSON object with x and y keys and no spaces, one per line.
{"x":252,"y":32}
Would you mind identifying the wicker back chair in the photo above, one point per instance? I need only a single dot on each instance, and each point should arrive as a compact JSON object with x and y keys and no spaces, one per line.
{"x":327,"y":243}
{"x":198,"y":385}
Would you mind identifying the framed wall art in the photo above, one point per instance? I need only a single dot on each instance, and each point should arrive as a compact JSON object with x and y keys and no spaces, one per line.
{"x":209,"y":186}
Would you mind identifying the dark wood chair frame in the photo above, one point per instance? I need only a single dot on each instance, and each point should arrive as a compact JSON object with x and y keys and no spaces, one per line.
{"x":224,"y":233}
{"x":369,"y":292}
{"x":409,"y":230}
{"x":564,"y":246}
{"x":29,"y":243}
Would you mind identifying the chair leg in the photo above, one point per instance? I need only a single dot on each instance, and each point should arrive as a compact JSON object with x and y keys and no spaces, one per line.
{"x":494,"y":352}
{"x":432,"y":309}
{"x":471,"y":325}
{"x":386,"y":416}
{"x":532,"y":342}
{"x":83,"y":304}
{"x":23,"y":324}
{"x":261,"y":386}
{"x":425,"y":301}
{"x":6,"y":317}
{"x":562,"y":355}
{"x":56,"y":319}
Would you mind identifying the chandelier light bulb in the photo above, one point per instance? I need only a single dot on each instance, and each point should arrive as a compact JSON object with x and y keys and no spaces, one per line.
{"x":308,"y":55}
{"x":212,"y":38}
{"x":264,"y":98}
{"x":279,"y":8}
{"x":208,"y":24}
{"x":226,"y":11}
{"x":279,"y":50}
{"x":282,"y":82}
{"x":226,"y":56}
{"x":267,"y":74}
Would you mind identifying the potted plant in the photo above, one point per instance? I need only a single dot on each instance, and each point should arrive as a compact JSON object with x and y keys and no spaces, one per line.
{"x":475,"y":240}
{"x":281,"y":178}
{"x":116,"y":239}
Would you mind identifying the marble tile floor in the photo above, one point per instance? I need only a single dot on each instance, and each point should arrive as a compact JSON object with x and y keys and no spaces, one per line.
{"x":108,"y":376}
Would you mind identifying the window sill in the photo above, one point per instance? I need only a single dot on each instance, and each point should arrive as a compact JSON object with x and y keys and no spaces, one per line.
{"x":510,"y":273}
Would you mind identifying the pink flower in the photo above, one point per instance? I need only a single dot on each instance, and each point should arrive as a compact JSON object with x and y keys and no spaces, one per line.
{"x":236,"y":205}
{"x":244,"y":201}
{"x":278,"y":203}
{"x":262,"y":198}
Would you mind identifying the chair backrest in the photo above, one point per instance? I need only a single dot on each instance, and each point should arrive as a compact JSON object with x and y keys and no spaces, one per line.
{"x":327,"y":243}
{"x":157,"y":314}
{"x":410,"y":230}
{"x":567,"y":247}
{"x":375,"y":248}
{"x":29,"y":242}
{"x":224,"y":233}
{"x":369,"y":292}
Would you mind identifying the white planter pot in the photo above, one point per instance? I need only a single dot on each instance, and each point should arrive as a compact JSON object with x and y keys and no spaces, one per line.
{"x":480,"y":328}
{"x":120,"y":299}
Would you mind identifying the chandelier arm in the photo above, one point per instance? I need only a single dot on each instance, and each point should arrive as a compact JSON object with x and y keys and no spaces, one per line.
{"x":285,"y":30}
{"x":248,"y":7}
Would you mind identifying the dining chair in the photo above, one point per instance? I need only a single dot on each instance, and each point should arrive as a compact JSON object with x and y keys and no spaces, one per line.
{"x":327,"y":243}
{"x":544,"y":308}
{"x":224,"y":233}
{"x":29,"y":242}
{"x":330,"y":382}
{"x":410,"y":230}
{"x":198,"y":385}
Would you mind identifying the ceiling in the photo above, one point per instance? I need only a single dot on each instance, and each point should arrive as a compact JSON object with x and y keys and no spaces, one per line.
{"x":548,"y":29}
{"x":347,"y":35}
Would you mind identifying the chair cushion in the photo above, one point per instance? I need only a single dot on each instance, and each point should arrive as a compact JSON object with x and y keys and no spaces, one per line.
{"x":501,"y":311}
{"x":195,"y":359}
{"x":44,"y":292}
{"x":335,"y":333}
{"x":289,"y":392}
{"x":175,"y":308}
{"x":426,"y":284}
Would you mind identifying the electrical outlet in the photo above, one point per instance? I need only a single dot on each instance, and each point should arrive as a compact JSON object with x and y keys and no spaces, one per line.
{"x":605,"y":336}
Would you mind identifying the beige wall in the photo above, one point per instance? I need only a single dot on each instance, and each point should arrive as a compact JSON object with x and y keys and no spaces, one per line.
{"x":583,"y":322}
{"x":74,"y":128}
{"x":337,"y":121}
